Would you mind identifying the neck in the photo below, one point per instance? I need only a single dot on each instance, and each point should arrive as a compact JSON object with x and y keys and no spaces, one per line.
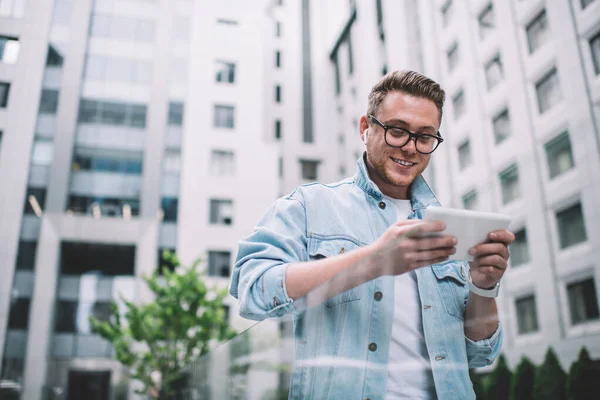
{"x":389,"y":189}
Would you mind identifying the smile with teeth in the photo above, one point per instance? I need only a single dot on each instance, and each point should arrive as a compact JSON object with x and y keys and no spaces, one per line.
{"x":403,"y":163}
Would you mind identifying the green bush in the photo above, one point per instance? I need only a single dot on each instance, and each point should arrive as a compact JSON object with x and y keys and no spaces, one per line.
{"x":498,"y":387}
{"x":477,"y":381}
{"x":584,"y":378}
{"x":550,"y":379}
{"x":522,"y":382}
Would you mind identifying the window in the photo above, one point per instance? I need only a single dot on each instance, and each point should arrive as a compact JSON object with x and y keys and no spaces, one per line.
{"x":548,"y":91}
{"x":123,"y":162}
{"x":280,"y":167}
{"x":278,"y":59}
{"x":509,"y":182}
{"x":583,"y":302}
{"x":571,"y":226}
{"x":49,"y":101}
{"x":585,"y":3}
{"x":68,"y":315}
{"x":169,"y":206}
{"x":453,"y":57}
{"x":222,"y":163}
{"x":224,"y":21}
{"x":219,"y":263}
{"x":538,"y":32}
{"x":519,"y":249}
{"x":181,"y":28}
{"x":35,"y":201}
{"x":175,"y":114}
{"x":493,"y":72}
{"x":172,"y":162}
{"x":458,"y":104}
{"x":446,"y":13}
{"x":43,"y":152}
{"x":4,"y":90}
{"x":221,"y":212}
{"x":526,"y":315}
{"x":9,"y":49}
{"x":559,"y":155}
{"x":112,"y":113}
{"x":26,"y":255}
{"x":78,"y":258}
{"x":277,"y":93}
{"x":124,"y":28}
{"x":162,"y":263}
{"x":464,"y":155}
{"x":487,"y":21}
{"x":53,"y":59}
{"x":595,"y":48}
{"x":225,"y":71}
{"x":19,"y":314}
{"x":12,"y":8}
{"x":277,"y":29}
{"x":277,"y":129}
{"x":101,"y":207}
{"x":501,"y":125}
{"x":470,"y":200}
{"x":224,"y":116}
{"x":309,"y":169}
{"x":117,"y":69}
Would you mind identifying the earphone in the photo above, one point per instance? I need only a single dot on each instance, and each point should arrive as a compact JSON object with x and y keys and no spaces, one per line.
{"x":366,"y":136}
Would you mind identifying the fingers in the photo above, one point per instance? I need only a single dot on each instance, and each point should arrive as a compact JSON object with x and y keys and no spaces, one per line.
{"x":494,"y":273}
{"x":490,"y":248}
{"x":424,"y":244}
{"x":502,"y":236}
{"x":425,"y":228}
{"x":430,"y":256}
{"x":492,"y":261}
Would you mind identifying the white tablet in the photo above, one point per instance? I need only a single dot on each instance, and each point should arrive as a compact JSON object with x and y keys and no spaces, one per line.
{"x":469,"y":227}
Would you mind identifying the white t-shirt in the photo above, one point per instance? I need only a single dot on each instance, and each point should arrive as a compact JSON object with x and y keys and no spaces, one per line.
{"x":409,"y":368}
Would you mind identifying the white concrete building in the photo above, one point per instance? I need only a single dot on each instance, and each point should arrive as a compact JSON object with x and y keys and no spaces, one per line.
{"x":521,"y":124}
{"x":126,"y":127}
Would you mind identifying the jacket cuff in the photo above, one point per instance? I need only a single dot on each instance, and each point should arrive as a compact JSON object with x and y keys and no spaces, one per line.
{"x":276,"y":295}
{"x":483,"y":352}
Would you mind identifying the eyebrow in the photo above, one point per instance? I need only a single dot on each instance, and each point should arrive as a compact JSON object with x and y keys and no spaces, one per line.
{"x":393,"y":121}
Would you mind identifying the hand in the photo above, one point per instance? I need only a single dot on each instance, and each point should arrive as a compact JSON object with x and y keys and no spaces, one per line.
{"x":491,"y":259}
{"x":402,"y":247}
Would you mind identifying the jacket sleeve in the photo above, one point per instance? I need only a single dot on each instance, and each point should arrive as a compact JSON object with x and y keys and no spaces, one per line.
{"x":482,"y":353}
{"x":258,"y":278}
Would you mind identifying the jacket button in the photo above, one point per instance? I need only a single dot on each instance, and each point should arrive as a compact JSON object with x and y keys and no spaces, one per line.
{"x":342,"y":250}
{"x":372,"y":346}
{"x":378,"y":296}
{"x":382,"y":205}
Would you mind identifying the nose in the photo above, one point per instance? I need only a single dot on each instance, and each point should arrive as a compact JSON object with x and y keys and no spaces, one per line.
{"x":411,"y":146}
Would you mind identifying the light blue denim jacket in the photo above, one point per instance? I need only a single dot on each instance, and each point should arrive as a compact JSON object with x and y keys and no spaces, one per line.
{"x":335,"y":353}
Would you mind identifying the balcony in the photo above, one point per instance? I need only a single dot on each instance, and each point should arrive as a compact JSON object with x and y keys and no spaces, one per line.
{"x":110,"y":137}
{"x":105,"y":184}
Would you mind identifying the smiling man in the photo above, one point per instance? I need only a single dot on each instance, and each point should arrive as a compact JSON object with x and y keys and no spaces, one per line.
{"x":397,"y":319}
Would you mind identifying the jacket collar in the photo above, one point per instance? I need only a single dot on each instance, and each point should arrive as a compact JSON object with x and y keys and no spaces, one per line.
{"x":421,"y":195}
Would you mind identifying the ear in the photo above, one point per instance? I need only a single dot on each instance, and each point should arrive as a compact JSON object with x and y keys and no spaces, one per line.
{"x":365,"y":137}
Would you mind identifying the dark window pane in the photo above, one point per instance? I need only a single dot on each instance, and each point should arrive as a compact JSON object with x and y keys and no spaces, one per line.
{"x":49,"y":101}
{"x":113,"y":113}
{"x":106,"y":259}
{"x":526,"y":315}
{"x":54,"y":59}
{"x":162,"y":263}
{"x":559,"y":155}
{"x":278,"y":94}
{"x":571,"y":226}
{"x":26,"y":255}
{"x":175,"y":114}
{"x":19,"y":314}
{"x":583,"y":302}
{"x":519,"y":249}
{"x":309,"y":169}
{"x":538,"y":32}
{"x":89,"y":111}
{"x":65,"y":317}
{"x":34,"y":197}
{"x":278,"y":129}
{"x":219,"y":263}
{"x":107,"y":206}
{"x":4,"y":91}
{"x":595,"y":48}
{"x":138,"y":116}
{"x":169,"y":206}
{"x":221,"y":212}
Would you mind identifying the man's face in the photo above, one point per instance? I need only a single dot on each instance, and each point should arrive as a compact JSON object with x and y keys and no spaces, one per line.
{"x":416,"y":114}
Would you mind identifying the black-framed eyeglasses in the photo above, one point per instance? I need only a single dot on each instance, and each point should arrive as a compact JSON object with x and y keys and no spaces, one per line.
{"x":399,"y":137}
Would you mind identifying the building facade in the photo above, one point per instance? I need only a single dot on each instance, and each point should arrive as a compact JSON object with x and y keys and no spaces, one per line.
{"x":521,"y":128}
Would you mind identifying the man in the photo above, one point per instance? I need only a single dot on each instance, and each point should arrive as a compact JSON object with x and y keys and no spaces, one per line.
{"x":400,"y":323}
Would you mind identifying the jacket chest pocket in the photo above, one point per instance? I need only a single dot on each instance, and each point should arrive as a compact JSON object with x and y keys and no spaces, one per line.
{"x":451,"y":279}
{"x":319,"y":248}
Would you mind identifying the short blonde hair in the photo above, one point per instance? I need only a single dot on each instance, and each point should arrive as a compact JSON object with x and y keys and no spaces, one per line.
{"x":409,"y":82}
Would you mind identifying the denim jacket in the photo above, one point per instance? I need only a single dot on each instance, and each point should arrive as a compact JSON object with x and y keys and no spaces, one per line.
{"x":342,"y":344}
